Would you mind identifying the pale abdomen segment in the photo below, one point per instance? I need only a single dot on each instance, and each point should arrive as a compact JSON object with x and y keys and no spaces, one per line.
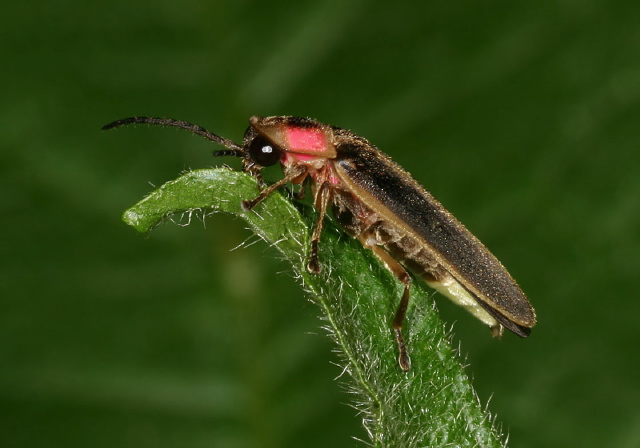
{"x":417,"y":259}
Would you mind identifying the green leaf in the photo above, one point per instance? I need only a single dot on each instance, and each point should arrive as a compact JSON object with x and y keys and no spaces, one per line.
{"x":432,"y":405}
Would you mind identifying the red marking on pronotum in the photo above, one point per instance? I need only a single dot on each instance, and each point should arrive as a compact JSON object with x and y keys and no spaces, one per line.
{"x":381,"y":205}
{"x":301,"y":139}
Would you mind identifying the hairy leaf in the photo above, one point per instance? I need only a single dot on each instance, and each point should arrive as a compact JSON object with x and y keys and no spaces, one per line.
{"x":433,"y":404}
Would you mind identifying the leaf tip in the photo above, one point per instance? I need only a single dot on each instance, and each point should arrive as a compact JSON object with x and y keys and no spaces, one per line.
{"x":135,"y":220}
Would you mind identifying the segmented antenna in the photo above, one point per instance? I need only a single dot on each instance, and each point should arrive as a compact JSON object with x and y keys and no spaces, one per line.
{"x":234,"y":149}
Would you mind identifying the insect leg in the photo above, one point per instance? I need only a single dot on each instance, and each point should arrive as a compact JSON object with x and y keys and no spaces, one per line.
{"x":294,"y":173}
{"x":302,"y":191}
{"x":250,"y":167}
{"x":321,"y":201}
{"x":401,"y":274}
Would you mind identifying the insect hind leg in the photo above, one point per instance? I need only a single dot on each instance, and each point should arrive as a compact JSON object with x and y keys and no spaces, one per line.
{"x":401,"y":274}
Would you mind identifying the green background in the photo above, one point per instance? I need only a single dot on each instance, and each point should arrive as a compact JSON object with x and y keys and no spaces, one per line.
{"x":522,"y":118}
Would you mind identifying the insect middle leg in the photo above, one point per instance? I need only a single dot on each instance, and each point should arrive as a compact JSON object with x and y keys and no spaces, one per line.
{"x":401,"y":274}
{"x":321,"y":201}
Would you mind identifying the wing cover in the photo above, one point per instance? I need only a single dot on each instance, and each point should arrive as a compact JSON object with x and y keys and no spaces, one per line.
{"x":462,"y":254}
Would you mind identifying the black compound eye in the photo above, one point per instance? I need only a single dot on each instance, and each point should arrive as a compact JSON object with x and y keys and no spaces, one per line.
{"x":263,"y":152}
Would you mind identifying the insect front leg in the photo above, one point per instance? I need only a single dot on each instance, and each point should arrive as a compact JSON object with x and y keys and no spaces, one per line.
{"x":248,"y":166}
{"x":401,"y":274}
{"x":321,"y":201}
{"x":291,"y":175}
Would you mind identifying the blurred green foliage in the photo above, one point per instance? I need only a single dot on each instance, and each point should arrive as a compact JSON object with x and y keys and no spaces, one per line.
{"x":522,"y":118}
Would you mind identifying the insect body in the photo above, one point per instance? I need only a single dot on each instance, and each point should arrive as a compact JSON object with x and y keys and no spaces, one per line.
{"x":381,"y":205}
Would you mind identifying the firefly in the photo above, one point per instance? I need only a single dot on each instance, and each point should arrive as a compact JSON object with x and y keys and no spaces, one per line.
{"x":380,"y":204}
